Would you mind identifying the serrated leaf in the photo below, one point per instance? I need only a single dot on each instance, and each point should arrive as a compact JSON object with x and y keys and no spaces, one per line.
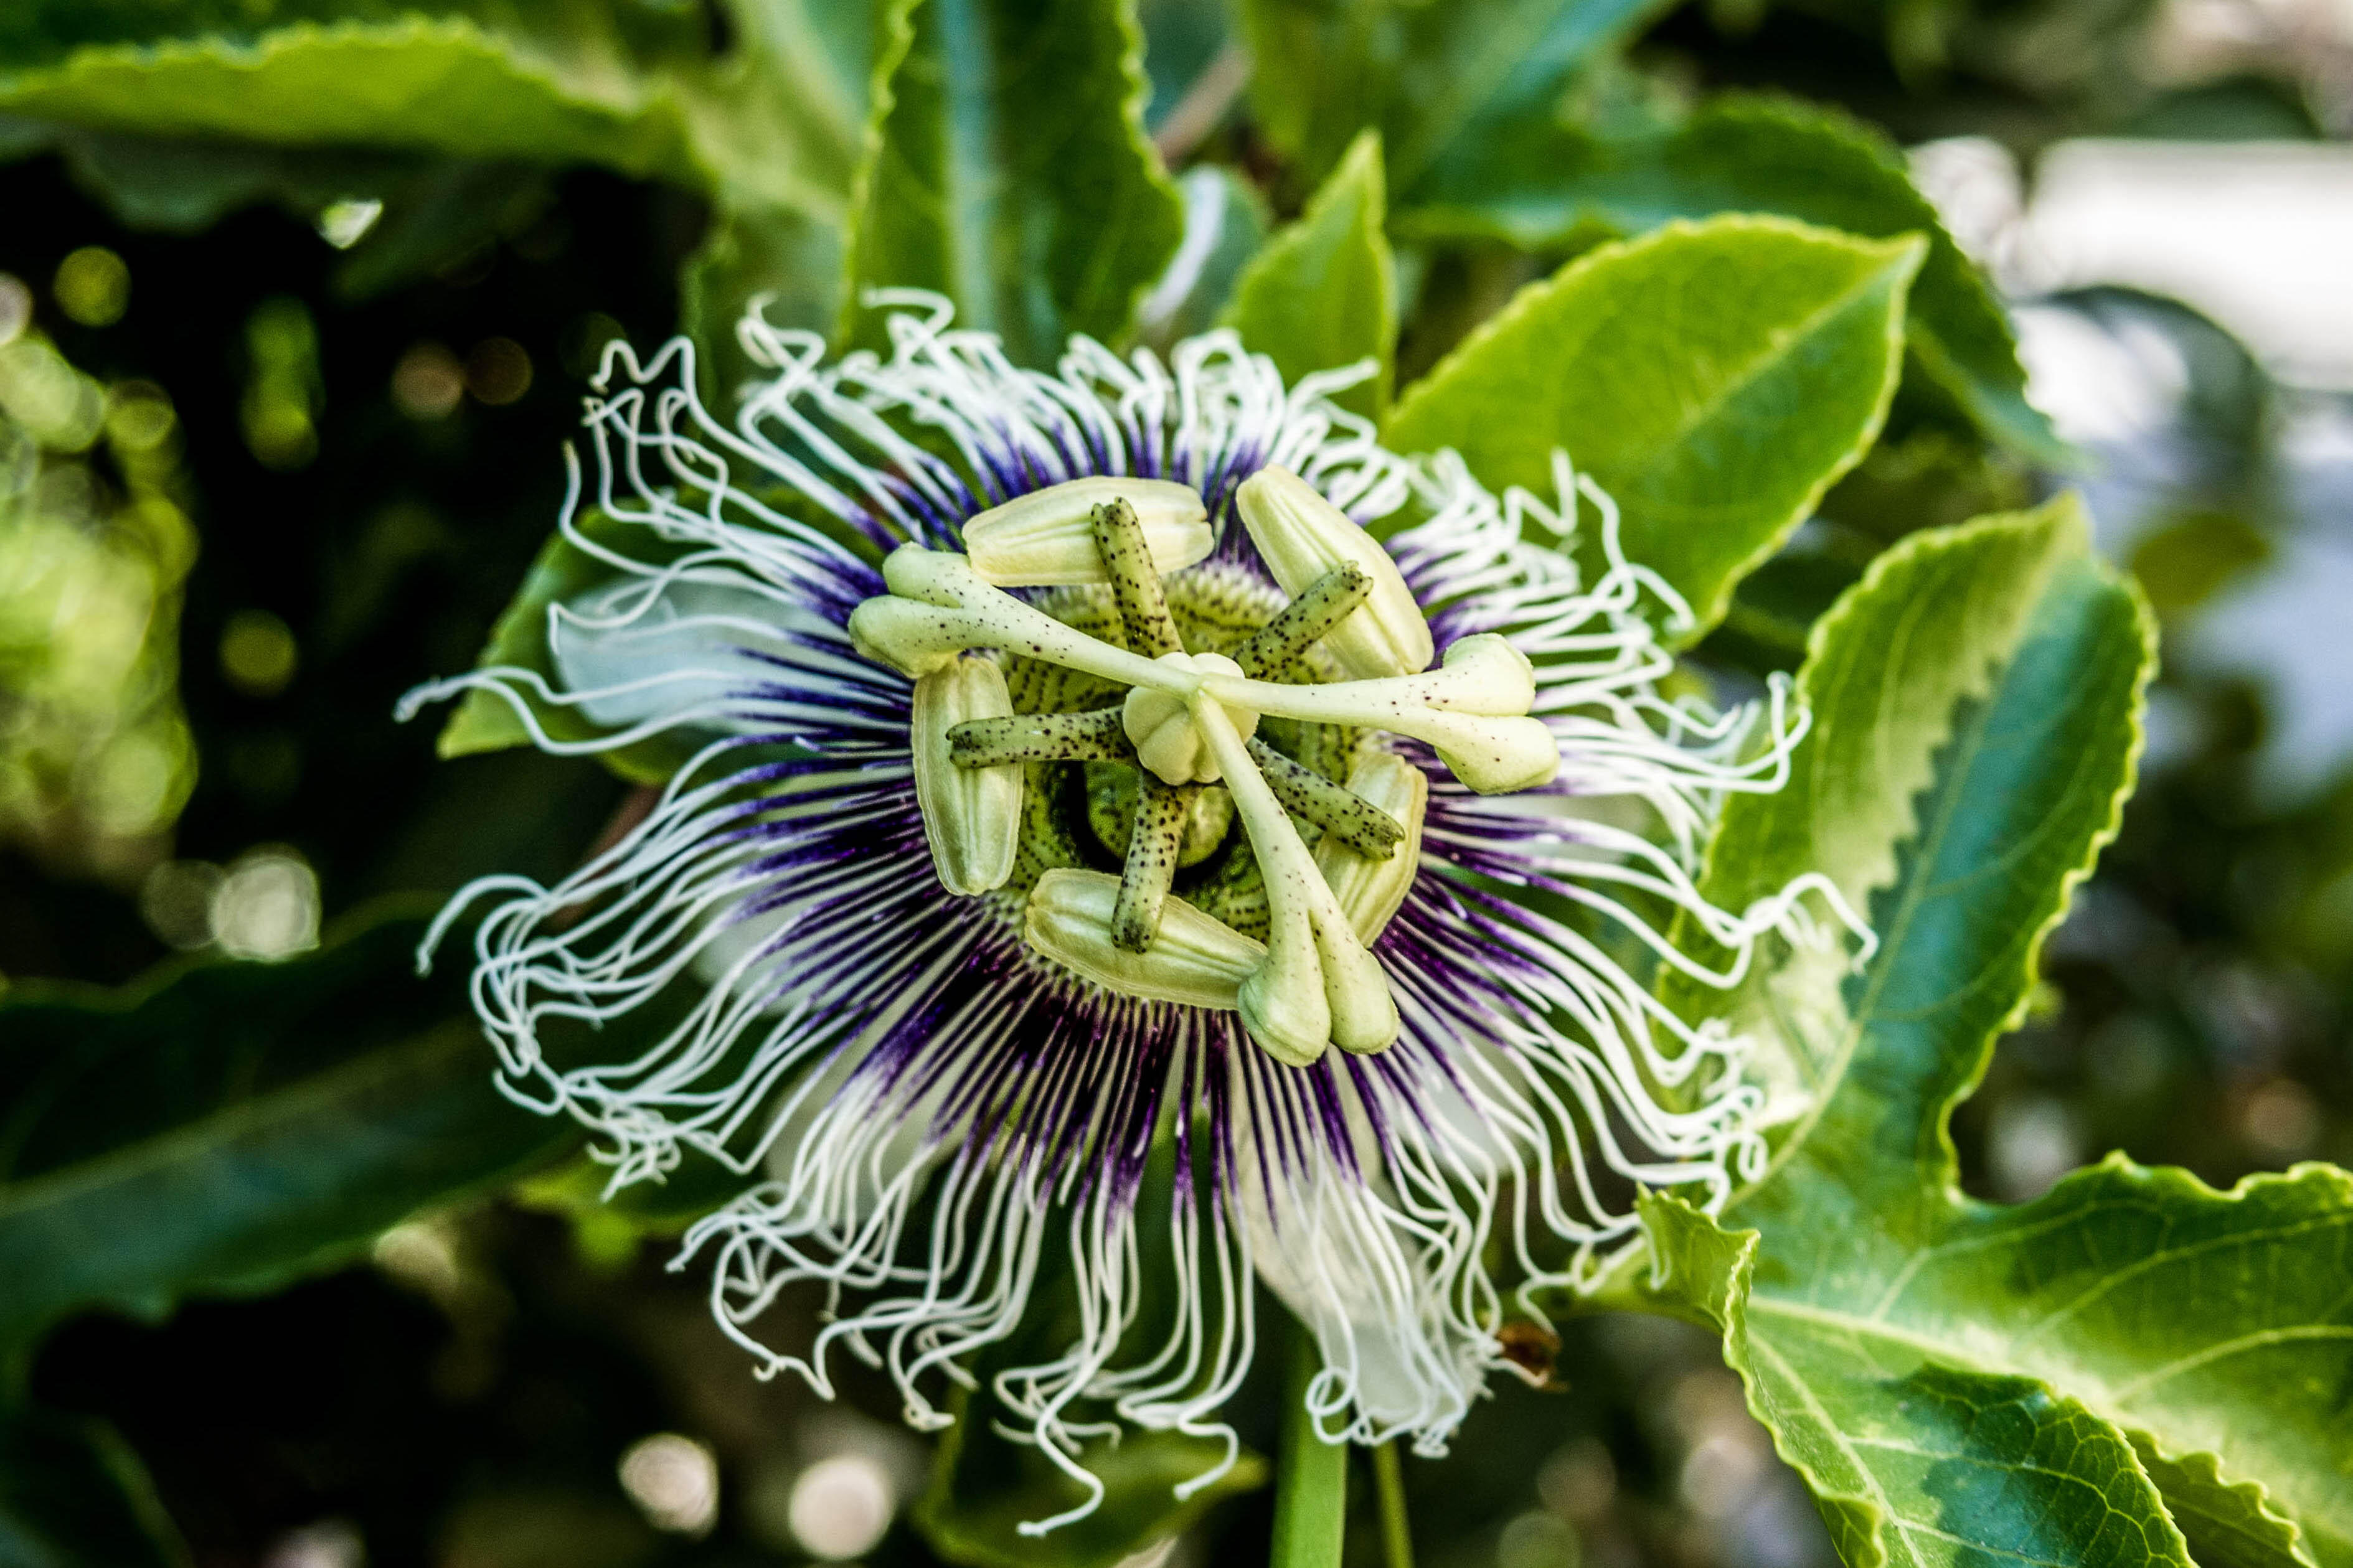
{"x":1007,"y":169}
{"x":1432,"y":78}
{"x":1323,"y":294}
{"x":2227,"y":1526}
{"x":1975,"y":717}
{"x":1913,"y":1459}
{"x":235,"y":1125}
{"x":1747,"y":153}
{"x":72,"y":1495}
{"x":1715,"y":378}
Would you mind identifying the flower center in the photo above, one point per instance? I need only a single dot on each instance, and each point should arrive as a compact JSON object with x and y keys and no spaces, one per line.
{"x":1111,"y":681}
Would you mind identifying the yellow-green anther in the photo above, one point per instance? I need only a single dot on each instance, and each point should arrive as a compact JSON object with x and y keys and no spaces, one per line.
{"x":1300,"y":536}
{"x":1371,"y":889}
{"x":972,"y":816}
{"x":1304,"y":793}
{"x":1154,"y":844}
{"x":1094,"y":736}
{"x":1473,"y":710}
{"x":1196,"y":960}
{"x":1304,"y":620}
{"x":1159,"y":718}
{"x":1317,"y":986}
{"x":1134,"y":586}
{"x":1046,"y":539}
{"x":938,"y":606}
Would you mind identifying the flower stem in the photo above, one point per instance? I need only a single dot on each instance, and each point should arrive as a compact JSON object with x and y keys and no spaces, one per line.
{"x":1396,"y":1536}
{"x":1311,"y":1478}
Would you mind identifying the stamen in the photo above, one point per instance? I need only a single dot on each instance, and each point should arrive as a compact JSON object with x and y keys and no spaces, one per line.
{"x":1134,"y":586}
{"x":1046,"y":539}
{"x":1305,"y":620}
{"x":1093,"y":736}
{"x":1342,"y":815}
{"x":1300,"y":536}
{"x":1372,"y":890}
{"x":972,"y":816}
{"x":1162,"y":814}
{"x":1317,"y":986}
{"x":1195,"y":959}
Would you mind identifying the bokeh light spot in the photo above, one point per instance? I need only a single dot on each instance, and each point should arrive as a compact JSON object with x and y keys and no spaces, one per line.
{"x":428,"y":382}
{"x":498,"y":371}
{"x":840,"y":1507}
{"x":93,"y":286}
{"x":674,"y":1481}
{"x":16,"y":308}
{"x":267,"y":906}
{"x":343,"y":224}
{"x":258,"y":653}
{"x":176,"y":900}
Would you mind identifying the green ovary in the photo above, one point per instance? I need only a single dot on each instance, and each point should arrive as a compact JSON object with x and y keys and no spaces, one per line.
{"x":1079,"y":814}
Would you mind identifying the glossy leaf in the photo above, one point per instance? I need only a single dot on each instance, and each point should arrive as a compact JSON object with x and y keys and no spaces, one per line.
{"x":1745,"y":153}
{"x":236,"y":1125}
{"x":1006,"y":168}
{"x":630,"y":86}
{"x":1715,"y":378}
{"x":1976,"y":707}
{"x":1323,"y":294}
{"x":1434,"y":80}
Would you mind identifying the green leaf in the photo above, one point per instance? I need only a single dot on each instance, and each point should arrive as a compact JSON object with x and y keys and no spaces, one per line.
{"x":1975,"y":717}
{"x":787,"y":261}
{"x":1007,"y":169}
{"x":1748,"y":153}
{"x":1432,"y":78}
{"x":1715,"y":378}
{"x":72,"y":1495}
{"x":2227,"y":1526}
{"x":236,"y":1125}
{"x":1323,"y":294}
{"x":622,"y":83}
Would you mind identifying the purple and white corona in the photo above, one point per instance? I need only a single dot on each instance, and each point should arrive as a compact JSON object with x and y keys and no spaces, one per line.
{"x":1122,"y":790}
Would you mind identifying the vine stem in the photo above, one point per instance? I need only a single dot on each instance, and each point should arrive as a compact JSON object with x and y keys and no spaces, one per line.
{"x":1311,"y":1480}
{"x":1397,"y":1535}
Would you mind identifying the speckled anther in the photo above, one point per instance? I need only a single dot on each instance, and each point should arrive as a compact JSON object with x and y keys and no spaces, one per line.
{"x":1161,"y":815}
{"x":1091,"y":736}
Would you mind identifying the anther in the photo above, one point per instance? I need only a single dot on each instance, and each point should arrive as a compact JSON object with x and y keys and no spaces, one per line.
{"x":972,"y":816}
{"x":1362,"y":826}
{"x":1300,"y":536}
{"x":1196,"y":960}
{"x":1046,"y":539}
{"x":1371,"y":889}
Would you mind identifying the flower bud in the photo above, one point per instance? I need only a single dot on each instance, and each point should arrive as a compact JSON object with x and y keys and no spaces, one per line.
{"x":1195,"y":959}
{"x":1300,"y":536}
{"x":972,"y":816}
{"x":1046,"y":539}
{"x":1370,"y":891}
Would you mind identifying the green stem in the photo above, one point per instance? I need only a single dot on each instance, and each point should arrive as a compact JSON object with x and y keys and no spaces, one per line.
{"x":1311,"y":1478}
{"x":1396,"y":1536}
